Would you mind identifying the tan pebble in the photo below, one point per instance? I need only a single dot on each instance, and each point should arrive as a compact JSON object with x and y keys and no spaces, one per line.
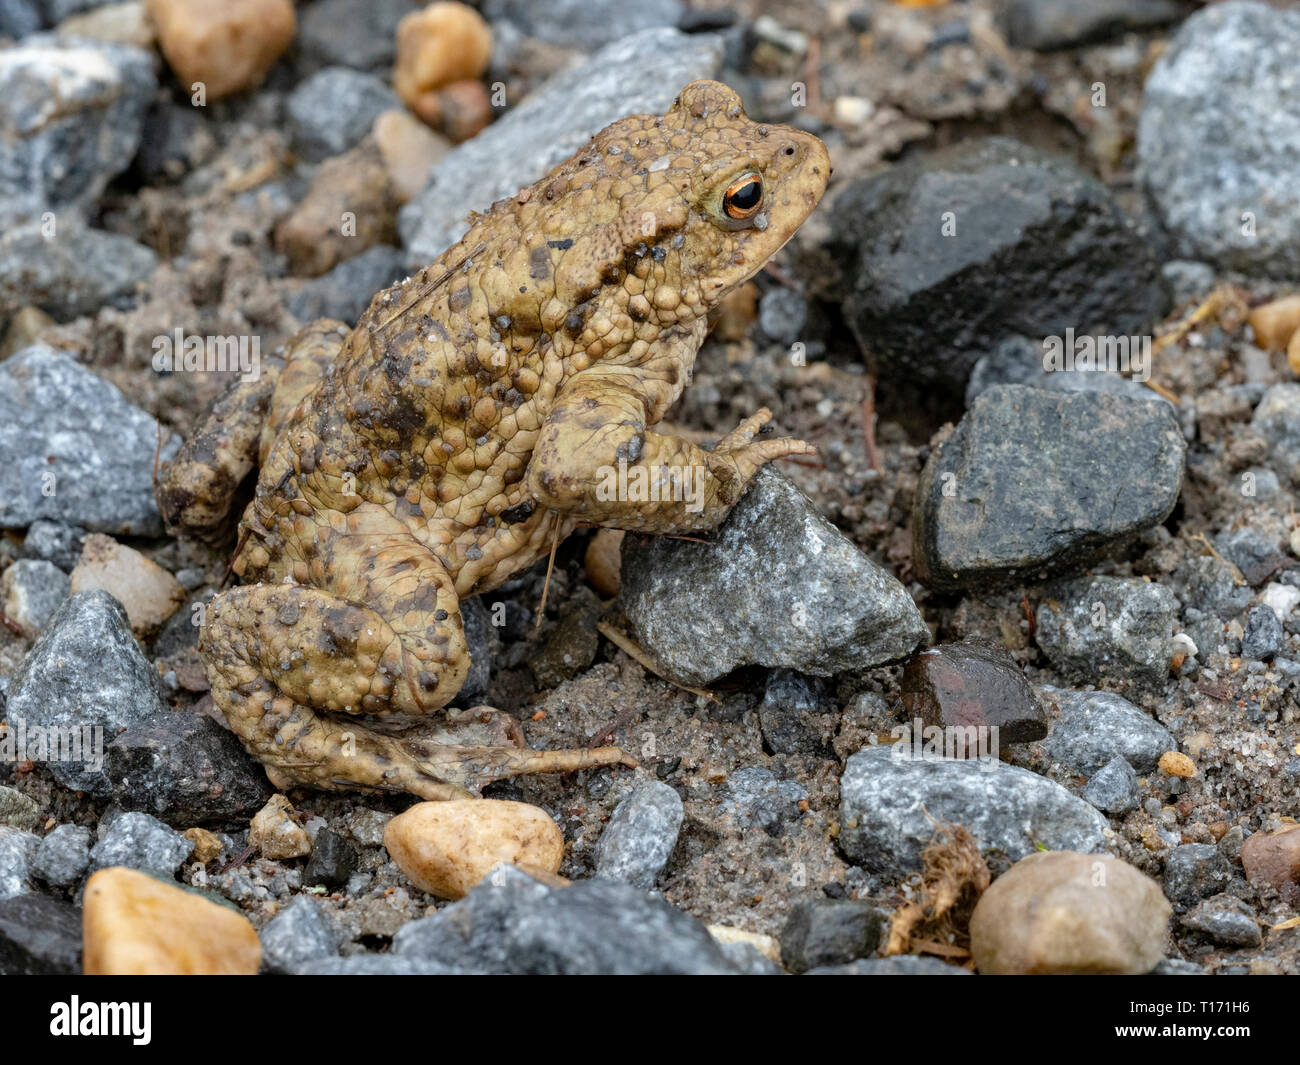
{"x":765,"y":945}
{"x":25,"y":328}
{"x":604,"y":561}
{"x":444,"y":42}
{"x":1196,"y":744}
{"x":276,"y":834}
{"x":1273,"y":857}
{"x":445,"y":848}
{"x":1065,"y":912}
{"x":227,"y":45}
{"x":148,"y":592}
{"x":135,"y":925}
{"x":207,"y":845}
{"x":113,"y":24}
{"x":409,"y":149}
{"x":1177,"y":764}
{"x":1276,"y":322}
{"x":460,"y":111}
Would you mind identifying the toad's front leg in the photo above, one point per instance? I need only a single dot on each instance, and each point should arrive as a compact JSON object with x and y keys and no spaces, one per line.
{"x":597,"y":460}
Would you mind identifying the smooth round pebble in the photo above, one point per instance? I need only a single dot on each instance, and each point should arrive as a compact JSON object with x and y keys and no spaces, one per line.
{"x":228,"y":45}
{"x":442,"y":43}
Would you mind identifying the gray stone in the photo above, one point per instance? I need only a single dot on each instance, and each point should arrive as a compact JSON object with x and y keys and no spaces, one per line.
{"x":139,"y":841}
{"x":1091,"y":729}
{"x":478,"y":638}
{"x":639,"y":74}
{"x":186,"y":770}
{"x":1177,"y":967}
{"x":300,"y":933}
{"x":334,"y":109}
{"x":585,"y":25}
{"x":1225,"y":919}
{"x":1113,"y":789}
{"x":84,"y":681}
{"x":1012,"y":360}
{"x":900,"y":965}
{"x":789,"y":699}
{"x":1219,"y":135}
{"x":346,"y":291}
{"x":1039,"y":247}
{"x":1277,"y":421}
{"x":333,"y":860}
{"x":776,"y":585}
{"x":354,"y":33}
{"x":70,"y":116}
{"x":755,"y":799}
{"x":1194,"y":871}
{"x":1263,"y":637}
{"x":58,"y":10}
{"x":177,"y":139}
{"x":1188,"y":279}
{"x":640,"y":837}
{"x":1032,"y":482}
{"x":54,"y":541}
{"x":376,"y":965}
{"x":749,"y":960}
{"x":68,"y":433}
{"x":1118,"y":628}
{"x":1255,"y":554}
{"x":889,"y":802}
{"x":74,"y":272}
{"x":782,"y":314}
{"x":1212,"y":584}
{"x":63,"y":856}
{"x":1048,"y":24}
{"x":17,"y":852}
{"x":39,"y":936}
{"x":821,"y":932}
{"x":20,"y":18}
{"x":18,"y":810}
{"x":32,"y":591}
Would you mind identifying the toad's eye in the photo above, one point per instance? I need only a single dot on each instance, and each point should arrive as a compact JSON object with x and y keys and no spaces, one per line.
{"x":743,"y":197}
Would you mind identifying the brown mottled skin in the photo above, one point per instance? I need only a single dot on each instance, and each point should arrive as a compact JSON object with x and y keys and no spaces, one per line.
{"x":448,"y":440}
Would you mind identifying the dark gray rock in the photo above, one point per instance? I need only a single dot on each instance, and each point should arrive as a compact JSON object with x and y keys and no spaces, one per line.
{"x":891,"y":800}
{"x":754,"y":798}
{"x":789,"y":699}
{"x":84,"y":681}
{"x":585,"y":25}
{"x":63,"y":856}
{"x":54,"y":541}
{"x":776,"y":585}
{"x":1195,"y":871}
{"x":1031,"y":482}
{"x":185,"y":769}
{"x":640,"y":837}
{"x":1117,"y":628}
{"x":139,"y":841}
{"x":822,"y":932}
{"x":1225,"y":919}
{"x":1012,"y":360}
{"x":478,"y":638}
{"x":73,"y":449}
{"x":1007,"y":239}
{"x":1263,"y":637}
{"x":334,"y":858}
{"x":1213,"y":585}
{"x":1226,"y":193}
{"x":300,"y":933}
{"x":782,"y":314}
{"x":20,"y":18}
{"x":1255,"y":554}
{"x":354,"y":33}
{"x":346,"y":291}
{"x":72,"y":273}
{"x":20,"y":811}
{"x":900,"y":965}
{"x":640,"y":74}
{"x":334,"y":109}
{"x":70,"y":116}
{"x":1277,"y":421}
{"x":32,"y":591}
{"x":1113,"y":789}
{"x":17,"y":853}
{"x":1048,"y":24}
{"x":39,"y":936}
{"x":1091,"y":729}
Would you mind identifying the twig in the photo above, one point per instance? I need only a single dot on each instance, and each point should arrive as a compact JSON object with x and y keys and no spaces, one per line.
{"x":629,"y":648}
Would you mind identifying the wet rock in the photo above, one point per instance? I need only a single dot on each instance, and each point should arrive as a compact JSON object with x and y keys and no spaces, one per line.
{"x":137,"y":925}
{"x":1194,"y":871}
{"x":346,"y":290}
{"x":1226,"y":194}
{"x":63,"y":856}
{"x":71,"y":113}
{"x":828,"y":932}
{"x":20,"y":811}
{"x":39,"y":936}
{"x":1116,"y":628}
{"x":900,"y":965}
{"x":185,"y":769}
{"x":54,"y":541}
{"x":1226,"y":920}
{"x":333,"y":860}
{"x":72,"y":273}
{"x":1047,"y":24}
{"x":1070,"y":913}
{"x":84,"y":681}
{"x":73,"y":449}
{"x":139,"y":841}
{"x":639,"y":839}
{"x":1006,"y":238}
{"x":637,"y":75}
{"x":276,"y":833}
{"x":777,"y":585}
{"x":334,"y":109}
{"x":148,"y":593}
{"x":889,"y":801}
{"x":974,"y":685}
{"x":1031,"y":482}
{"x":755,"y":798}
{"x":790,"y":699}
{"x":229,"y":46}
{"x":1090,"y":729}
{"x":17,"y":853}
{"x":31,"y":591}
{"x":1263,"y":637}
{"x":1277,"y":421}
{"x":1274,"y":858}
{"x":300,"y":933}
{"x":585,"y":25}
{"x":1113,"y":789}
